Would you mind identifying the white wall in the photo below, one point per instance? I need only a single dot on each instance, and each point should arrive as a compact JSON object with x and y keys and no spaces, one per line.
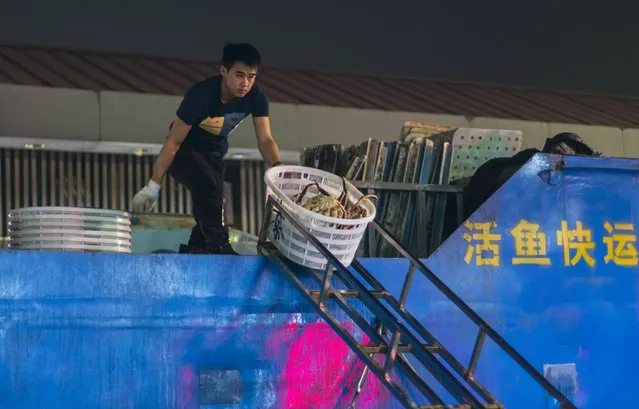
{"x":49,"y":112}
{"x":38,"y":112}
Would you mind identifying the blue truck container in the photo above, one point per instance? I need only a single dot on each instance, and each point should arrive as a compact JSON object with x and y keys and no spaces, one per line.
{"x":550,"y":261}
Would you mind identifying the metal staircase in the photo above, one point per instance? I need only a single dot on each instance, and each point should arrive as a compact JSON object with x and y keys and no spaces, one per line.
{"x":395,"y":332}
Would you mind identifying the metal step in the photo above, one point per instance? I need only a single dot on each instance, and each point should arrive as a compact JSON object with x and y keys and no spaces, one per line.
{"x":395,"y":331}
{"x":401,"y":348}
{"x":350,"y":293}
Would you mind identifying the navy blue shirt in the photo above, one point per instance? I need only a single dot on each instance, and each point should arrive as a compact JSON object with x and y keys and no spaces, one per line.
{"x":211,"y":121}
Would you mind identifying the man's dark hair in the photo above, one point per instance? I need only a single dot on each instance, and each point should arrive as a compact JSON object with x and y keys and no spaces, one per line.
{"x":568,"y":143}
{"x":241,"y":52}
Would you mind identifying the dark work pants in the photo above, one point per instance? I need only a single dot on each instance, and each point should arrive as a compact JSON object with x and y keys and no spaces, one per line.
{"x":203,"y":176}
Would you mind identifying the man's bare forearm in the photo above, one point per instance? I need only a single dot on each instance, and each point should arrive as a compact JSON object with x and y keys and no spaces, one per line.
{"x":270,"y":152}
{"x":164,"y":160}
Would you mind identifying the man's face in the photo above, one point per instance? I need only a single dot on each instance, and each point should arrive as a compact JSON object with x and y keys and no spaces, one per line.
{"x":239,"y":79}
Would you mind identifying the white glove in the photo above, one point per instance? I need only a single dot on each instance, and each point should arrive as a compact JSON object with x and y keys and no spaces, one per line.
{"x":146,"y":199}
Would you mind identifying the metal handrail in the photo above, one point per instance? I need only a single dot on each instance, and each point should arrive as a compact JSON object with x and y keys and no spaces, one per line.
{"x":426,"y":357}
{"x":431,"y":217}
{"x":485,"y":328}
{"x":408,"y":187}
{"x":379,"y":310}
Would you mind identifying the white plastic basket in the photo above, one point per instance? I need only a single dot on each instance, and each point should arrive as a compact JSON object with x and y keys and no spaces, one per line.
{"x":340,"y":236}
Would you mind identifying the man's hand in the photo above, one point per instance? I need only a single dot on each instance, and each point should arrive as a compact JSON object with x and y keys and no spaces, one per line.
{"x":265,"y":142}
{"x":146,"y":199}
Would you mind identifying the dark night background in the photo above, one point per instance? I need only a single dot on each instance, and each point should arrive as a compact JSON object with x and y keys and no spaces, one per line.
{"x":578,"y":46}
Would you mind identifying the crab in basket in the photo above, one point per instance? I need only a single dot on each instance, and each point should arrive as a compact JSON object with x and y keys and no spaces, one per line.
{"x":328,"y":205}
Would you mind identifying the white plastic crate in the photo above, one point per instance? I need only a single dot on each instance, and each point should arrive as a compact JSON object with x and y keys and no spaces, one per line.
{"x":340,"y":236}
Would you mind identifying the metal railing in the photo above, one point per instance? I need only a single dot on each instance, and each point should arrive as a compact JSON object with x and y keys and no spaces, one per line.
{"x":425,"y":353}
{"x":432,"y":220}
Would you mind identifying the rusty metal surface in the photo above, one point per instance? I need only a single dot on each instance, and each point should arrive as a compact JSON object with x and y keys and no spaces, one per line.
{"x":100,"y":71}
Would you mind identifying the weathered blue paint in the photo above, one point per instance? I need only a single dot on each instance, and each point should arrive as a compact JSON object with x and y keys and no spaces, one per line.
{"x":551,"y":314}
{"x":132,"y":331}
{"x":174,"y":331}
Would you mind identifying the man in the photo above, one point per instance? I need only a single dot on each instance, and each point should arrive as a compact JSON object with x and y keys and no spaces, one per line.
{"x":490,"y":176}
{"x":194,"y":151}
